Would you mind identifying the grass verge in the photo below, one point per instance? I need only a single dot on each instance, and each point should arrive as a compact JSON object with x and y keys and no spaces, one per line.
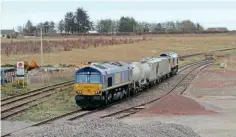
{"x":13,"y":89}
{"x":60,"y":103}
{"x":228,"y":57}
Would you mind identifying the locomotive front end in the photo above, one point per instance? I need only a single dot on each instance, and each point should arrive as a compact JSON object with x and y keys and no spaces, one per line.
{"x":88,"y":87}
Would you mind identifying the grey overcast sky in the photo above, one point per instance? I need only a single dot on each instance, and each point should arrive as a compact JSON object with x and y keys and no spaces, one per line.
{"x":209,"y":13}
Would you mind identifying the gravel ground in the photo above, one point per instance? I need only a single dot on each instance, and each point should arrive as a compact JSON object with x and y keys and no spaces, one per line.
{"x":109,"y":127}
{"x":145,"y":96}
{"x":149,"y":94}
{"x":9,"y":126}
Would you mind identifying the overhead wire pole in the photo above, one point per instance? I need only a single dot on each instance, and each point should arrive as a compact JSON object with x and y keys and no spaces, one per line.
{"x":41,"y":46}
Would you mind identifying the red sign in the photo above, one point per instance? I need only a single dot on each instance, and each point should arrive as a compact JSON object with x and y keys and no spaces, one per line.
{"x":20,"y":64}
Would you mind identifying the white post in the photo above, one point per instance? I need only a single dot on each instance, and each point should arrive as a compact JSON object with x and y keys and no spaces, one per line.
{"x":41,"y":47}
{"x":141,"y":51}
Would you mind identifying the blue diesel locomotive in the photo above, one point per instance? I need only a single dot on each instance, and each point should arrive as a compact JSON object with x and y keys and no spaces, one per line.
{"x":100,"y":84}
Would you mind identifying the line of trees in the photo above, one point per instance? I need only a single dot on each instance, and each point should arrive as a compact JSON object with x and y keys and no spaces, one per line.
{"x":29,"y":28}
{"x":80,"y":22}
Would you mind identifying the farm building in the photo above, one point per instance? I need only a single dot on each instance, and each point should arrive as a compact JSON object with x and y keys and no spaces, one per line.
{"x":219,"y":29}
{"x":8,"y":33}
{"x":92,"y":31}
{"x":52,"y":32}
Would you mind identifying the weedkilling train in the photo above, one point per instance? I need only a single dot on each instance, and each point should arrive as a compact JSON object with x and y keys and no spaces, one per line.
{"x":100,"y":84}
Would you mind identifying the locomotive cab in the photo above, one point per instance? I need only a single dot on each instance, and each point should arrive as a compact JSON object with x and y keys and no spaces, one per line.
{"x":88,"y":81}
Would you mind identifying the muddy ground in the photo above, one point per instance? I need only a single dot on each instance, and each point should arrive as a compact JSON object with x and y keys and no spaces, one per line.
{"x":215,"y":89}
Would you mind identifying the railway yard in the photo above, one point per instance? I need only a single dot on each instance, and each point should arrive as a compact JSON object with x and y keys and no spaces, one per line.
{"x":199,"y":101}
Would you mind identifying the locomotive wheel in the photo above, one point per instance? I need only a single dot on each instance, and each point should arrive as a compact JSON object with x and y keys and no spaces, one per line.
{"x":106,"y":100}
{"x":128,"y":92}
{"x":84,"y":108}
{"x":121,"y":95}
{"x":125,"y":94}
{"x":109,"y":97}
{"x":160,"y":80}
{"x":150,"y":85}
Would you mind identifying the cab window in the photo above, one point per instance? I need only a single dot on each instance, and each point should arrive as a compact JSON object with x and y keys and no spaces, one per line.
{"x":93,"y":79}
{"x":82,"y":78}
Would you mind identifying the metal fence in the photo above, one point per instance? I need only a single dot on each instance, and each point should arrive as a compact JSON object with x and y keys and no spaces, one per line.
{"x":7,"y":75}
{"x":46,"y":77}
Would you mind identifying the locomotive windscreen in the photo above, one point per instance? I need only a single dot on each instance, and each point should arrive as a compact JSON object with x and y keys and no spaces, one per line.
{"x":91,"y":78}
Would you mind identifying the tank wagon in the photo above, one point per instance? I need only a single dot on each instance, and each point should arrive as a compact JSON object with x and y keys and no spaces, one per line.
{"x":102,"y":83}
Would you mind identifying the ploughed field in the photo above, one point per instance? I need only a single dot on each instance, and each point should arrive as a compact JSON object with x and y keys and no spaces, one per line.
{"x":107,"y":48}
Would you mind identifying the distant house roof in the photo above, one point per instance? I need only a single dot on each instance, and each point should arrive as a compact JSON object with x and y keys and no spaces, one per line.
{"x":92,"y":32}
{"x":7,"y":31}
{"x":52,"y":31}
{"x":217,"y":29}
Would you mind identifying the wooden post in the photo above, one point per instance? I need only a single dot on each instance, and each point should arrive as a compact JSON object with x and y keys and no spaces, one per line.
{"x":41,"y":47}
{"x":23,"y":82}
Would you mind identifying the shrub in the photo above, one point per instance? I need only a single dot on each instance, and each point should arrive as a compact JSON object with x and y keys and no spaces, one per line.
{"x":13,"y":89}
{"x":8,"y":65}
{"x":19,"y":83}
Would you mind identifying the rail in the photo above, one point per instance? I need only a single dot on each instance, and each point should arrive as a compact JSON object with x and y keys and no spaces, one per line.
{"x":19,"y":103}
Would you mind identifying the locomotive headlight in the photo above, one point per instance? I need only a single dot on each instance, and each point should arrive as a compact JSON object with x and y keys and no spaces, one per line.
{"x":97,"y":92}
{"x":78,"y":91}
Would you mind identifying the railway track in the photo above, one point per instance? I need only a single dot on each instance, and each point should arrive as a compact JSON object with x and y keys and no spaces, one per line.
{"x":81,"y":113}
{"x":13,"y":105}
{"x":202,"y":53}
{"x":16,"y":104}
{"x":180,"y":87}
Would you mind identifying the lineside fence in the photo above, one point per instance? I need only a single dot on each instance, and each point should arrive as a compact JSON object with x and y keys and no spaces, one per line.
{"x":46,"y":77}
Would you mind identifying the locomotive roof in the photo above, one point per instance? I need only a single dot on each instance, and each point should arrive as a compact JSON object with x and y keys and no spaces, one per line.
{"x":152,"y":60}
{"x":107,"y":68}
{"x":170,"y":54}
